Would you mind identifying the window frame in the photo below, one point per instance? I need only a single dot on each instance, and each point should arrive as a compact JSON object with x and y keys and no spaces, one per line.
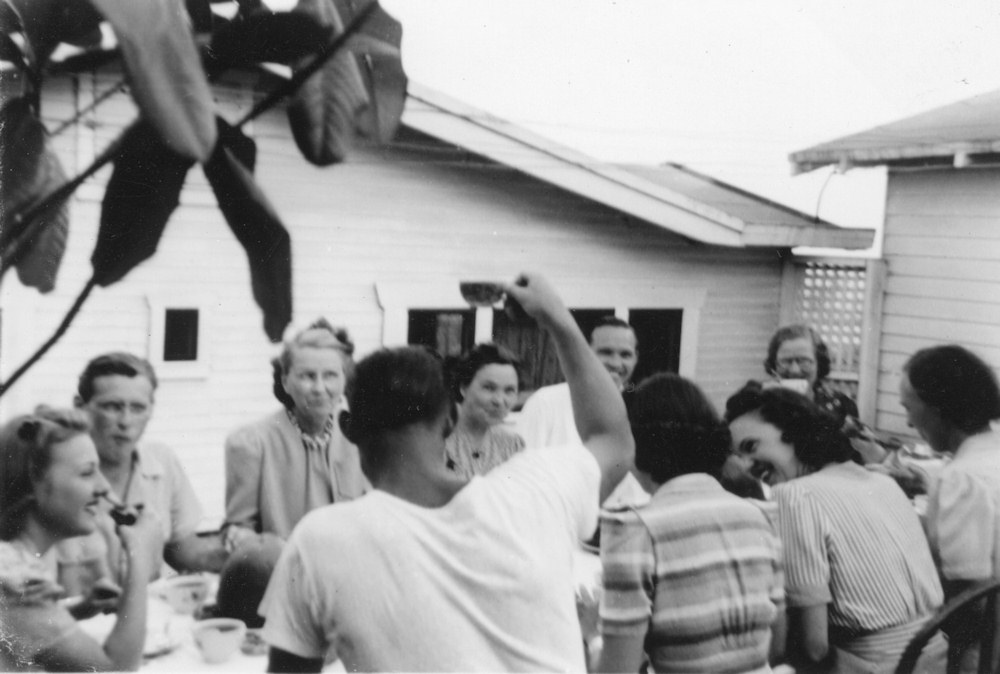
{"x":178,"y":369}
{"x":396,"y":300}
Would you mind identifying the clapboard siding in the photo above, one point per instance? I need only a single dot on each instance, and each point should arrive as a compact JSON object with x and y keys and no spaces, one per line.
{"x":942,"y":249}
{"x":419,"y":211}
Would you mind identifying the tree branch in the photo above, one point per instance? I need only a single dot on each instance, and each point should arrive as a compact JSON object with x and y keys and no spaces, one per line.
{"x":70,"y":315}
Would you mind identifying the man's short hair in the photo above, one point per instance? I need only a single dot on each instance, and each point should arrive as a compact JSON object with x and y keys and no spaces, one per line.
{"x":611,"y":322}
{"x":116,"y":362}
{"x":393,"y":388}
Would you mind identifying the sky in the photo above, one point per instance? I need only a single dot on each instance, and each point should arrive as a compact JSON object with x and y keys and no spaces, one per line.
{"x":727,"y":87}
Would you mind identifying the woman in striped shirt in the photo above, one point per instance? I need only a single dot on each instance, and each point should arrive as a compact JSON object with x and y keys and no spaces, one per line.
{"x":859,"y":578}
{"x":692,"y":580}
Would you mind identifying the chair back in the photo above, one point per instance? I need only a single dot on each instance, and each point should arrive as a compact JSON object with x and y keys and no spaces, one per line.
{"x":986,"y":636}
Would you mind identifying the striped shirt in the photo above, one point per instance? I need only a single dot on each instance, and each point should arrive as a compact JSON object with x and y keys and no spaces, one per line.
{"x":853,"y":540}
{"x":698,"y":572}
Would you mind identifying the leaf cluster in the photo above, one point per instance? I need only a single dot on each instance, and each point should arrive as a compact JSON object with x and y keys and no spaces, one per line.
{"x":336,"y":61}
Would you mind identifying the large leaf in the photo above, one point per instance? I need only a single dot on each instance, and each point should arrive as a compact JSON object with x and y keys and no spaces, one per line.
{"x":359,"y":91}
{"x":29,"y":171}
{"x":256,"y":225}
{"x":141,"y":195}
{"x":165,"y":72}
{"x":266,"y":37}
{"x":49,"y":22}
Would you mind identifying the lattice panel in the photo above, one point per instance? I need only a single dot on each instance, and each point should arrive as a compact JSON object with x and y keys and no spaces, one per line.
{"x":831,"y":298}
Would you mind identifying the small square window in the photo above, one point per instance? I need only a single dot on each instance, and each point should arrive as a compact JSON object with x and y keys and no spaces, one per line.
{"x":180,"y":335}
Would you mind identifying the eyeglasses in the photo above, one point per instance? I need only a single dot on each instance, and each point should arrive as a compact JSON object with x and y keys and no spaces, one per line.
{"x":803,"y":362}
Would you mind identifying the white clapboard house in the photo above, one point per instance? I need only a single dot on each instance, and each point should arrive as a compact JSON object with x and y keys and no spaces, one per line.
{"x":380,"y":244}
{"x":942,"y":237}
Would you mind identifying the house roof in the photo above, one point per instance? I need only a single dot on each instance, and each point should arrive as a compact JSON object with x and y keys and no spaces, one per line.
{"x":953,"y":134}
{"x":672,"y":197}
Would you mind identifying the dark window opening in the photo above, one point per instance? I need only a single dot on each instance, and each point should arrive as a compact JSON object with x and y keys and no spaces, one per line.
{"x":180,"y":335}
{"x":539,"y":363}
{"x":449,"y":332}
{"x":659,"y":334}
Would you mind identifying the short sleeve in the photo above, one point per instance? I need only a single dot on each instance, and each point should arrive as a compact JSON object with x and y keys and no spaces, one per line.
{"x":290,"y":605}
{"x":965,"y":513}
{"x":185,"y":509}
{"x":629,"y":571}
{"x":244,"y":456}
{"x":803,"y":528}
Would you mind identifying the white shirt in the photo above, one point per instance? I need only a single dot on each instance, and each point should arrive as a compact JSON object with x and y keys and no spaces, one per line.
{"x":484,"y":583}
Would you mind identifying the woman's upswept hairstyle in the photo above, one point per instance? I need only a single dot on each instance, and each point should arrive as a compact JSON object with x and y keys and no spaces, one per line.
{"x":26,"y":444}
{"x":814,"y":434}
{"x":676,"y":429}
{"x":790,"y":332}
{"x":320,"y":334}
{"x":958,"y":384}
{"x":461,"y":371}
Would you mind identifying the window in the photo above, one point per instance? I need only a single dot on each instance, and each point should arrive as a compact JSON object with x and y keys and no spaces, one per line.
{"x":666,"y":319}
{"x":178,"y":334}
{"x":449,"y":332}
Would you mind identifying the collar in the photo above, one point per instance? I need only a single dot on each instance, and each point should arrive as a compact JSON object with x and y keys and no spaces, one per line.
{"x":979,"y":443}
{"x":692,"y":483}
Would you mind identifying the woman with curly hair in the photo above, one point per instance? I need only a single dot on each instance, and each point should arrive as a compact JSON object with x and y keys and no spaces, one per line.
{"x":693,"y":579}
{"x":859,"y":577}
{"x":50,"y":490}
{"x":484,"y":383}
{"x":296,"y":459}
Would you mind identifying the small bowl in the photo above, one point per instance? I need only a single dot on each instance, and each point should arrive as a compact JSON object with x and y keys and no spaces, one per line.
{"x":481,"y":293}
{"x":185,"y":594}
{"x":218,"y":638}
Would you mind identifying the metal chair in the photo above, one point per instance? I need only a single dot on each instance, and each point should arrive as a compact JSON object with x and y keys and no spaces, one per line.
{"x":988,"y":653}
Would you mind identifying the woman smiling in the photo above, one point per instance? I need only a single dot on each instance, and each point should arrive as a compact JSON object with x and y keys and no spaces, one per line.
{"x":485,"y":386}
{"x":859,"y":578}
{"x":51,"y":486}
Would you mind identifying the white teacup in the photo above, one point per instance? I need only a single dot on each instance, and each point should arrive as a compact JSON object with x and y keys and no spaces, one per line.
{"x":218,"y":638}
{"x":800,"y":386}
{"x":185,"y":594}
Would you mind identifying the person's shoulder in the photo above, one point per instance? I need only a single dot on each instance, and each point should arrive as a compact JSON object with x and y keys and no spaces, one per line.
{"x":272,"y":423}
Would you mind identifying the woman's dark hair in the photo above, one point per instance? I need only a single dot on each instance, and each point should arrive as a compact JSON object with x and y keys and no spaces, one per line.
{"x":958,"y":384}
{"x":815,"y":435}
{"x":790,"y":332}
{"x":676,"y":429}
{"x":26,"y":444}
{"x":461,"y":371}
{"x":320,"y":334}
{"x":393,"y":388}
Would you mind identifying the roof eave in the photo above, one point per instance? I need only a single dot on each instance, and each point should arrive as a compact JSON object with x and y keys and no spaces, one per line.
{"x":847,"y":157}
{"x":511,"y":146}
{"x":794,"y":236}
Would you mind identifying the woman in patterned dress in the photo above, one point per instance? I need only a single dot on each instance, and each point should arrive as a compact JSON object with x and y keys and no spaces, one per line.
{"x":485,"y":383}
{"x":50,"y":487}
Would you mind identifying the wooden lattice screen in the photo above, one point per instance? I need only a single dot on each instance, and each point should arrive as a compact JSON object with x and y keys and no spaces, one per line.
{"x":830,"y":296}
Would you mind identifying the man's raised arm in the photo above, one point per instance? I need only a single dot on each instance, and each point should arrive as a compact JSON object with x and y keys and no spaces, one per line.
{"x":598,"y":408}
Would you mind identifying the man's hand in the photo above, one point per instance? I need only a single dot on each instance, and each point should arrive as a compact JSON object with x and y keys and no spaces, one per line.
{"x":538,"y":298}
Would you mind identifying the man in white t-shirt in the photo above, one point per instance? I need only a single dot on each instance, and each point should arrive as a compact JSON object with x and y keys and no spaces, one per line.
{"x":431,"y":571}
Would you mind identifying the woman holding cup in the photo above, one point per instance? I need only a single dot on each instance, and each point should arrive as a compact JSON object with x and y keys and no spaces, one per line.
{"x":50,"y":488}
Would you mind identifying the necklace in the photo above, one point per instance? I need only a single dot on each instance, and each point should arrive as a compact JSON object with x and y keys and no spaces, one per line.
{"x":313,"y":441}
